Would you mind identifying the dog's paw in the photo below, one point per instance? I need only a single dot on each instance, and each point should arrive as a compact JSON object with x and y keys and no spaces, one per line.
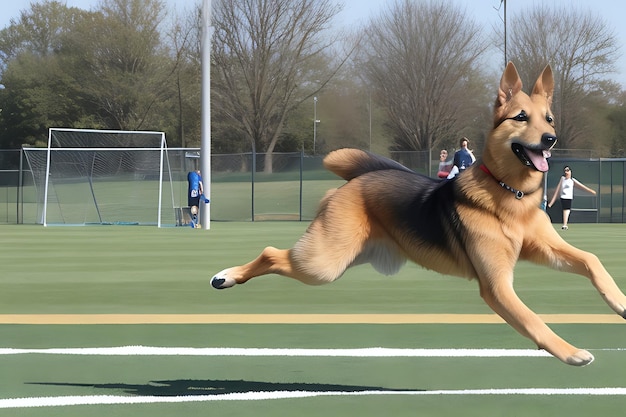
{"x":580,"y":358}
{"x":221,"y":280}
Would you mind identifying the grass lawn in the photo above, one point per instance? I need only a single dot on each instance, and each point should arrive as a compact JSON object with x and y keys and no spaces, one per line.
{"x":145,"y":270}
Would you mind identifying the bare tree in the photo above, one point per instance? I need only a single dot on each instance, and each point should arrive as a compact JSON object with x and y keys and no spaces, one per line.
{"x":269,"y":56}
{"x":581,"y":49}
{"x":130,"y":58}
{"x":185,"y":43}
{"x":421,"y":58}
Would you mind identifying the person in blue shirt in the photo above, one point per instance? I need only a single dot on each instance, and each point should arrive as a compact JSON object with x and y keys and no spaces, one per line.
{"x":463,"y":158}
{"x":195,"y":191}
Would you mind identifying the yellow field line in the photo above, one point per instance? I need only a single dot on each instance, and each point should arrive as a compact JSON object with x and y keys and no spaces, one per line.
{"x":290,"y":318}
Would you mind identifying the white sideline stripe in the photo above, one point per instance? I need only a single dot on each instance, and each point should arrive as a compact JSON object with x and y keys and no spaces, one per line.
{"x":375,"y":352}
{"x":275,"y":395}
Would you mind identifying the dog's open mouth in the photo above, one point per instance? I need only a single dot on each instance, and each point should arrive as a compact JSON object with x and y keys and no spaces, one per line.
{"x":536,"y":158}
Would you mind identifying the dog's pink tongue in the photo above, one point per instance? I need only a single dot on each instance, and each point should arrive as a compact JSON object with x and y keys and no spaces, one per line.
{"x":540,"y":160}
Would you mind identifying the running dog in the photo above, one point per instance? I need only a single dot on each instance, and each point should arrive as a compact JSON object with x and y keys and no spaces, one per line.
{"x":476,"y":226}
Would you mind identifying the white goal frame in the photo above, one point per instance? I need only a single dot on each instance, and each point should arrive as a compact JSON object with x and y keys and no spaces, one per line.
{"x":162,"y":149}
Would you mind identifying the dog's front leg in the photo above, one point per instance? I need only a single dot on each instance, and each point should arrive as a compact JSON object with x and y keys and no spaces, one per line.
{"x":577,"y":261}
{"x":548,"y":248}
{"x":500,"y":296}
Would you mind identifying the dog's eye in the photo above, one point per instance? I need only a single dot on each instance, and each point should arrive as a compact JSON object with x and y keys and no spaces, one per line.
{"x":521,"y":117}
{"x":549,"y":118}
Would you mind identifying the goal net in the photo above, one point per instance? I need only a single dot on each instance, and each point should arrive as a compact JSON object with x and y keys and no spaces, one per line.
{"x":102,"y":177}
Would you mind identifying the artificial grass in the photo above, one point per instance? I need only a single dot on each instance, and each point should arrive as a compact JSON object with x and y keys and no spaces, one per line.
{"x":140,"y":270}
{"x":41,"y":375}
{"x":134,"y":270}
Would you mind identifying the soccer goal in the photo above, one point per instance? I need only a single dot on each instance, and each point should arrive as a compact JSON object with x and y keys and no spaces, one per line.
{"x":103,"y":177}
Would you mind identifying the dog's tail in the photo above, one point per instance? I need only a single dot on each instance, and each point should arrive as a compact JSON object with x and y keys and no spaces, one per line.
{"x":351,"y":163}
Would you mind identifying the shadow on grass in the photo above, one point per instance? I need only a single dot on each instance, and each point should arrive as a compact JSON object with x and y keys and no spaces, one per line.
{"x":181,"y":387}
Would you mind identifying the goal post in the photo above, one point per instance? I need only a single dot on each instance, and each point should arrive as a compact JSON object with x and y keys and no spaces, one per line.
{"x":87,"y":176}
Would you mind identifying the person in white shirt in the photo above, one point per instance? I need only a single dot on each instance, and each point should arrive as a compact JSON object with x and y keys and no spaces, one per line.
{"x":566,"y":191}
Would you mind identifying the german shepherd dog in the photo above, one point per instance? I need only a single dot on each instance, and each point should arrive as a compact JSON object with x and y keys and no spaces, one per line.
{"x":476,"y":226}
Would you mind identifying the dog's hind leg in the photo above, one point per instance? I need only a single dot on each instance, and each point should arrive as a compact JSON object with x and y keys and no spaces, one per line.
{"x":271,"y":260}
{"x":330,"y":245}
{"x":504,"y":301}
{"x":300,"y":263}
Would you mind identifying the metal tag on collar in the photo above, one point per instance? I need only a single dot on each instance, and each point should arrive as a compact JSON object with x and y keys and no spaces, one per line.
{"x":519,"y":194}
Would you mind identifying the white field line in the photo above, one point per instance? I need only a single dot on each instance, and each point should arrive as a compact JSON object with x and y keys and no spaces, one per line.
{"x":374,"y":352}
{"x":276,"y":395}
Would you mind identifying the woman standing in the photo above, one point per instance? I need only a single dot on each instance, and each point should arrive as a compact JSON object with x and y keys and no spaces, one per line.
{"x":566,"y":191}
{"x":444,"y":164}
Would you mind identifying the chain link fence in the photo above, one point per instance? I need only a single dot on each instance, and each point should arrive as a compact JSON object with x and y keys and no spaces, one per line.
{"x":242,"y":186}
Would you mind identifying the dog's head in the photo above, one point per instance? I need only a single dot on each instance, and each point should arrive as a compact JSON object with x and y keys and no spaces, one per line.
{"x":519,"y":145}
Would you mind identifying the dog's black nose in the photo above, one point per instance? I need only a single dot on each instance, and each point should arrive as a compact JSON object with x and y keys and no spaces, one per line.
{"x":548,"y":140}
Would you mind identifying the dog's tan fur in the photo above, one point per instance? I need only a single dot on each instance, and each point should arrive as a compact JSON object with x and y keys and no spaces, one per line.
{"x":472,"y":226}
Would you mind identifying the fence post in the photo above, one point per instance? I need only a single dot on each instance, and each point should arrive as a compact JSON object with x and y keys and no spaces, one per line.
{"x":20,"y":192}
{"x":599,"y":196}
{"x":301,"y":172}
{"x":253,"y":175}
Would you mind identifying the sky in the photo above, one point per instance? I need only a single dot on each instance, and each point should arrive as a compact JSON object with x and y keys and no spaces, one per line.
{"x":484,"y":12}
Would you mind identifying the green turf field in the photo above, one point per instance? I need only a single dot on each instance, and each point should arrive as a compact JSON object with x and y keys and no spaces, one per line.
{"x":145,"y":270}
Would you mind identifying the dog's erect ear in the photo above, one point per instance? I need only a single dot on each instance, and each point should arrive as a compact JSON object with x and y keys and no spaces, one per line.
{"x":510,"y":84}
{"x":545,"y":84}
